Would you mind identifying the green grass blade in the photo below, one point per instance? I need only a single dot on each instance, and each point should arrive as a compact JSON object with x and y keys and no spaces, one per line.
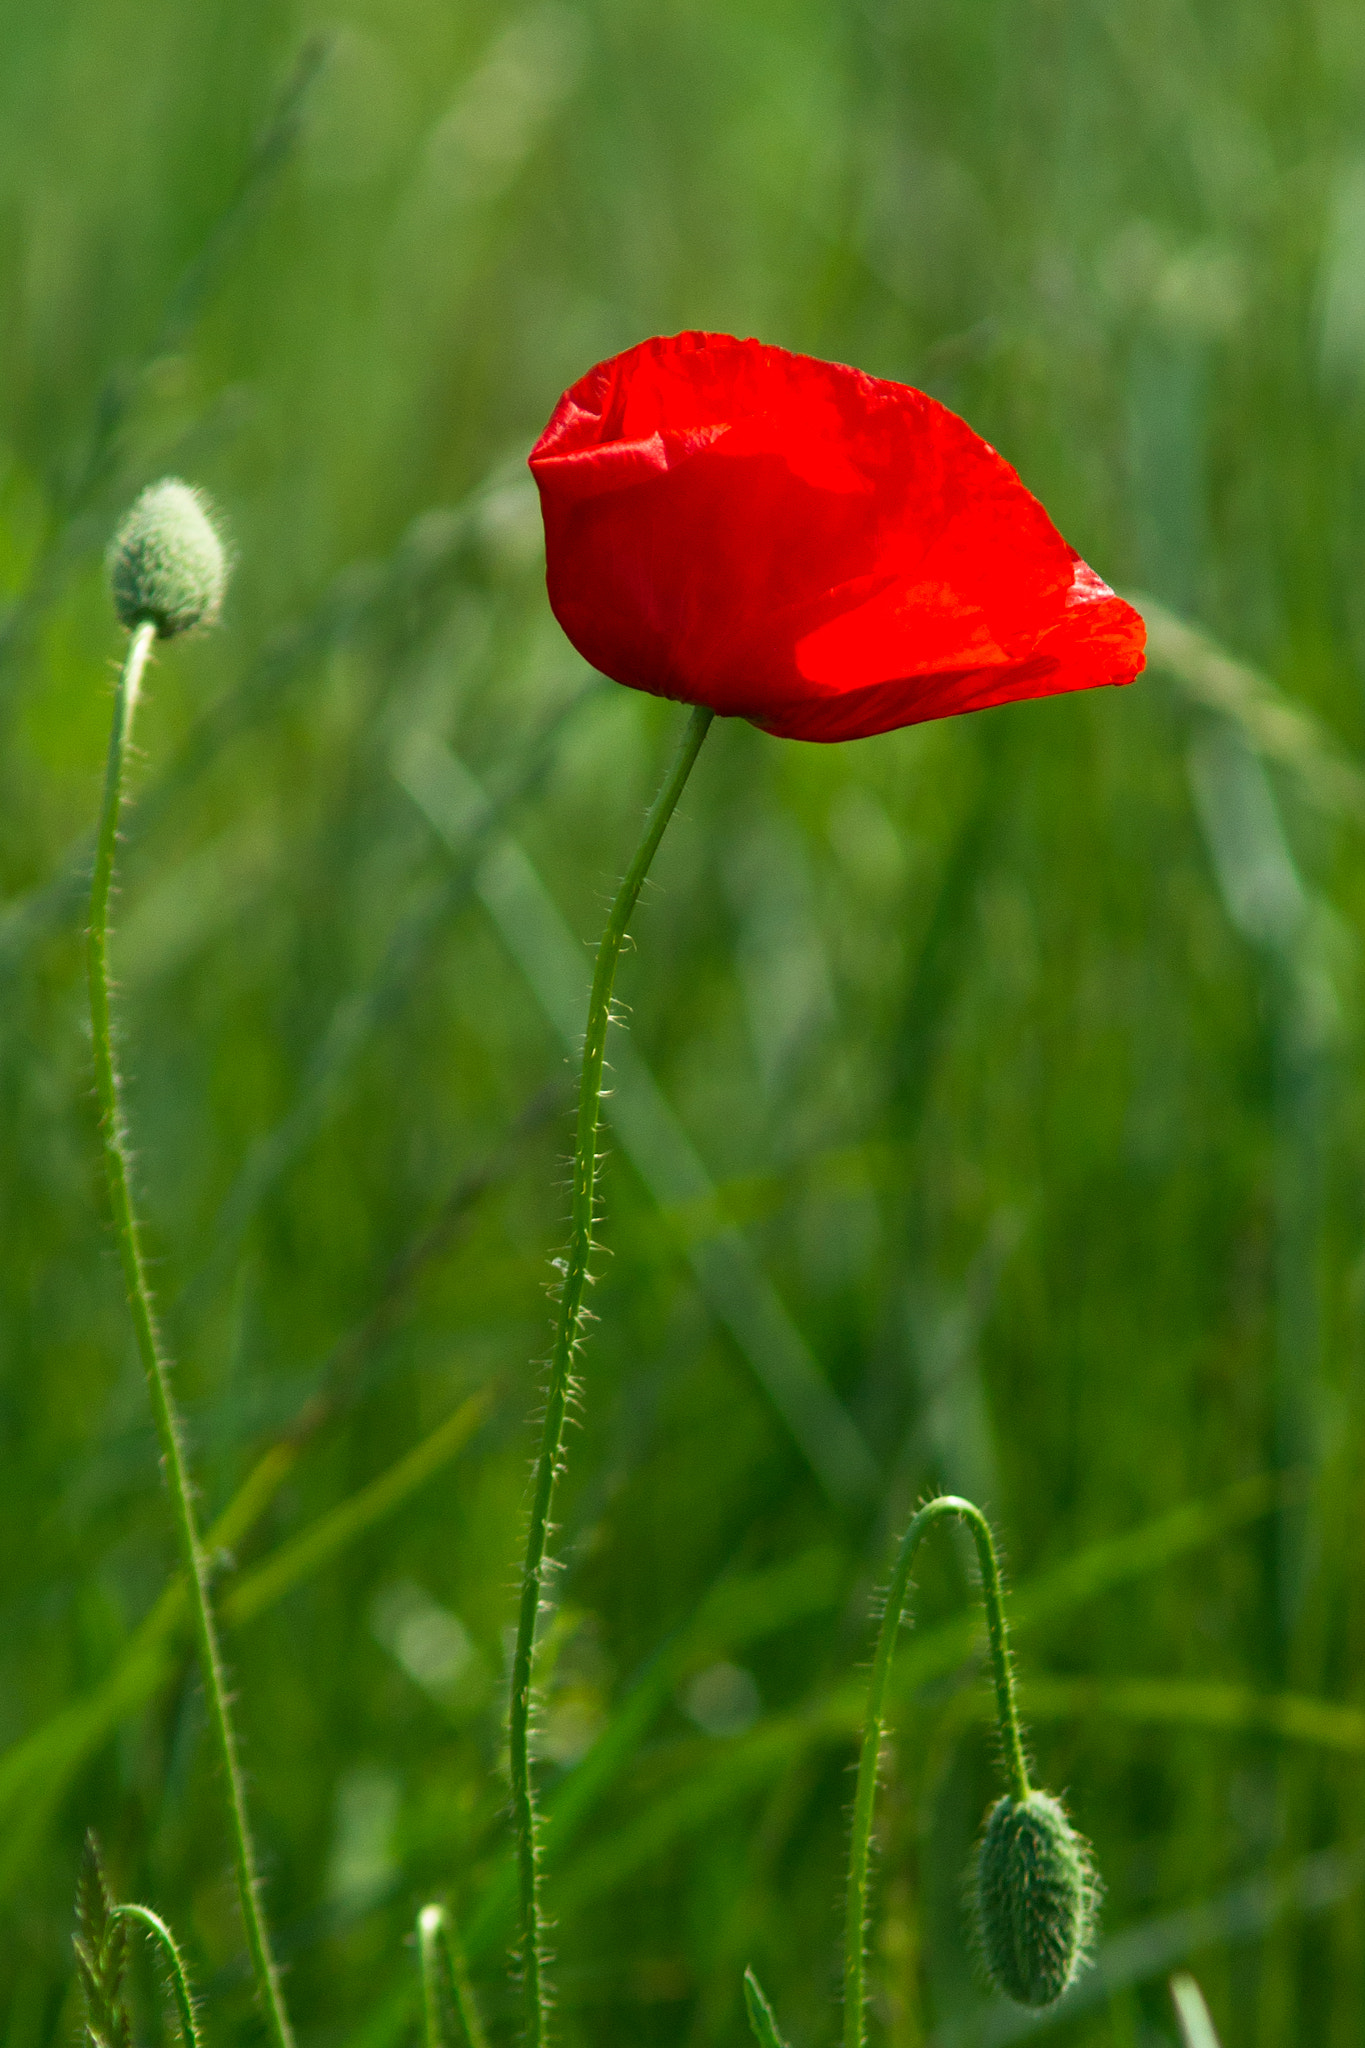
{"x":1179,"y":1703}
{"x":326,"y":1538}
{"x":1283,"y":732}
{"x":738,"y":1610}
{"x":1196,"y":2027}
{"x":41,"y":1764}
{"x":445,"y":1977}
{"x":761,"y":2017}
{"x":732,"y":1282}
{"x":1151,"y":1948}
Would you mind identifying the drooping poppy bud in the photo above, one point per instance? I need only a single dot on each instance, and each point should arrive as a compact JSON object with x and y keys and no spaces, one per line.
{"x":166,"y":563}
{"x":1036,"y":1893}
{"x":790,"y":541}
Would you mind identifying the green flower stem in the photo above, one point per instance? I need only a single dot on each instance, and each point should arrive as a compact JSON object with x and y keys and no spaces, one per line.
{"x":568,"y":1335}
{"x":168,"y":1429}
{"x":1007,"y":1715}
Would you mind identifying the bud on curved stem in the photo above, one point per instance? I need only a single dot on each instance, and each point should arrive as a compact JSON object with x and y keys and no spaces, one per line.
{"x":1021,"y":1797}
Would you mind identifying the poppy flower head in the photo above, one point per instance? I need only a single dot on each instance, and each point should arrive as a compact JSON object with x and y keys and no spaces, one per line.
{"x":790,"y":541}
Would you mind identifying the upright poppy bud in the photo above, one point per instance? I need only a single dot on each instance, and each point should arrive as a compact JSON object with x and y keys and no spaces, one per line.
{"x":1036,"y":1892}
{"x":167,"y":566}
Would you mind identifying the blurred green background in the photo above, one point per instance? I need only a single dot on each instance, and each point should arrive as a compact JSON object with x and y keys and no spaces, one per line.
{"x":990,"y":1113}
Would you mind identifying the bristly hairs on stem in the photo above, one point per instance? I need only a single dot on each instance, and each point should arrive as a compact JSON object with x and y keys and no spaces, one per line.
{"x":176,"y":1973}
{"x":568,"y":1338}
{"x":102,"y":1957}
{"x":167,"y":569}
{"x":1034,"y":1889}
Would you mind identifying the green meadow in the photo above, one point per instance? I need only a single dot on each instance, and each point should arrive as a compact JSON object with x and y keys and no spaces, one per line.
{"x":988,"y":1107}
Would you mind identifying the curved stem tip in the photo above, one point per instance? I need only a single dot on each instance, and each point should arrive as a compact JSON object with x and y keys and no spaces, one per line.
{"x":1007,"y":1714}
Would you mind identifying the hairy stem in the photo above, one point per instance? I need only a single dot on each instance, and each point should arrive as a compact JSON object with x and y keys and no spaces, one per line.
{"x":568,"y":1334}
{"x":154,"y":1365}
{"x":1007,"y":1715}
{"x":175,"y":1966}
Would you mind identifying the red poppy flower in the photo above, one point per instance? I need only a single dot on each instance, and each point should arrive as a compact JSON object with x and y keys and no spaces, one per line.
{"x":792,"y":542}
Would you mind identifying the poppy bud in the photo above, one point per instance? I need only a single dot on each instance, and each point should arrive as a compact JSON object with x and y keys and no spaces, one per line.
{"x":166,"y":563}
{"x":1035,"y":1899}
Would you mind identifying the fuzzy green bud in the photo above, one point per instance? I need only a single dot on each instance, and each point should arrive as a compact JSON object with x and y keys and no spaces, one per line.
{"x":166,"y":563}
{"x":1036,"y":1893}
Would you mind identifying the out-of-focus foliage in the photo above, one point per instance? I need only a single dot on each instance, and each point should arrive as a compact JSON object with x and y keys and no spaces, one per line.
{"x":1008,"y":1071}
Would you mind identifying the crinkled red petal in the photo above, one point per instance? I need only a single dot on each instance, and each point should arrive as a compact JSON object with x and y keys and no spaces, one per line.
{"x":791,"y":541}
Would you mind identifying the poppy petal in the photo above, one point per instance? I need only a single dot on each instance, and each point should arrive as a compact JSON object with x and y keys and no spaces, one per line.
{"x":791,"y":541}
